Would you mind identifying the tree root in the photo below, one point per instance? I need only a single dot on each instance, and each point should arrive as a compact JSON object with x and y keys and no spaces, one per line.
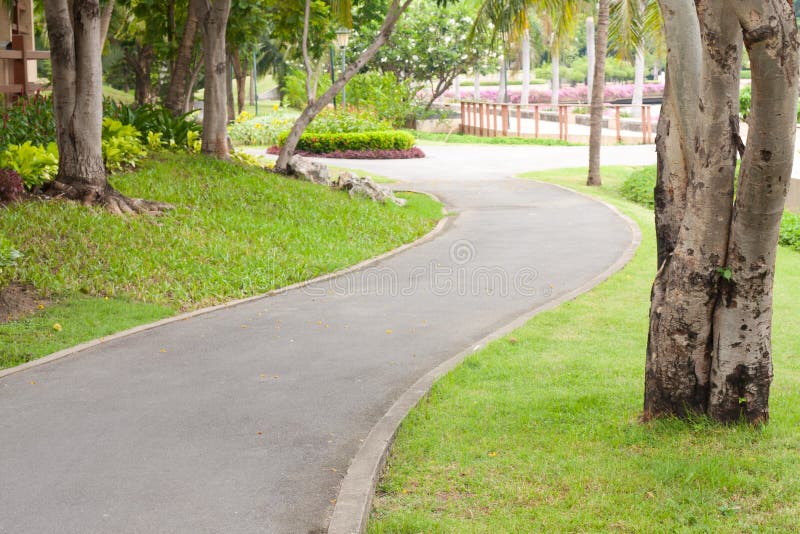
{"x":108,"y":197}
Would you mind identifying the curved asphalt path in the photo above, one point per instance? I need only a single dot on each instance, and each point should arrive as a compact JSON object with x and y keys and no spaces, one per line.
{"x":245,"y":419}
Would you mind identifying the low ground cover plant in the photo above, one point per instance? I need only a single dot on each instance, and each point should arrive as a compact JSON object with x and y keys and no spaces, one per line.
{"x":11,"y":186}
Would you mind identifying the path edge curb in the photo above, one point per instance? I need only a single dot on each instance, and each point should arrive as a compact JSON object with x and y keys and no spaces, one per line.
{"x":354,"y":500}
{"x":447,"y":217}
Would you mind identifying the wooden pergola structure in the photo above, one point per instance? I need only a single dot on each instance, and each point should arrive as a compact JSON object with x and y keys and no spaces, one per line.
{"x":18,"y":54}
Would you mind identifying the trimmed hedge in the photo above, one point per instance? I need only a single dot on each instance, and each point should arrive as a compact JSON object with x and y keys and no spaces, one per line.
{"x":319,"y":143}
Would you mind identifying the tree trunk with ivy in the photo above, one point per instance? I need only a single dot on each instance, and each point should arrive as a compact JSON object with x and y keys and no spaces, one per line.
{"x":74,"y":29}
{"x":710,"y":322}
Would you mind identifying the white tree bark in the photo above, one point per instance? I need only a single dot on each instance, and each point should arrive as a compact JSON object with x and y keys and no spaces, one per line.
{"x":501,"y":86}
{"x":555,"y":82}
{"x":457,"y":87}
{"x":476,"y":84}
{"x":638,"y":82}
{"x":590,"y":57}
{"x":526,"y":67}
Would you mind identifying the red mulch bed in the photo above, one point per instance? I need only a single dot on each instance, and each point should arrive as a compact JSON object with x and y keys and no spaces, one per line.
{"x":411,"y":153}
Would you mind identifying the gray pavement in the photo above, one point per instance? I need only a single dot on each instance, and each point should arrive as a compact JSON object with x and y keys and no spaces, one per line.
{"x":245,"y":419}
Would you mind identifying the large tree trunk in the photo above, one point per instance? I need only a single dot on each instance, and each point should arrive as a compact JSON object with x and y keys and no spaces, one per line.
{"x":598,"y":91}
{"x":709,"y":345}
{"x":525,"y":94}
{"x":74,"y":29}
{"x":141,"y":63}
{"x":215,"y":114}
{"x":179,"y":77}
{"x":741,"y":364}
{"x":396,"y":9}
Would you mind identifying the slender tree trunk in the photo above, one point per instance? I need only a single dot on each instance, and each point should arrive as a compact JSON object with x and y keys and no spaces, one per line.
{"x":638,"y":82}
{"x":240,"y":74}
{"x":179,"y":77}
{"x":229,"y":88}
{"x":555,"y":74}
{"x":598,"y":90}
{"x":476,"y":84}
{"x":311,"y":93}
{"x":105,"y":21}
{"x":190,"y":88}
{"x":215,"y":134}
{"x":709,"y":346}
{"x":457,"y":87}
{"x":396,"y":9}
{"x":501,"y":86}
{"x":74,"y":29}
{"x":590,"y":57}
{"x":525,"y":94}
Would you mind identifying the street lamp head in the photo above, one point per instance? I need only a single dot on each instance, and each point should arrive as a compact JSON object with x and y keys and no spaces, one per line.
{"x":342,"y":37}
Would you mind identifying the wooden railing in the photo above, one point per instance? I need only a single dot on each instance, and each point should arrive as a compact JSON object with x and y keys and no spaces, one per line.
{"x":20,"y":56}
{"x":525,"y":120}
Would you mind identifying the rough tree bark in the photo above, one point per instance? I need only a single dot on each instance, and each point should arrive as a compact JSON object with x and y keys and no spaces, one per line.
{"x":74,"y":29}
{"x":709,"y":346}
{"x":180,"y":75}
{"x":215,"y":20}
{"x":598,"y":91}
{"x":396,"y":9}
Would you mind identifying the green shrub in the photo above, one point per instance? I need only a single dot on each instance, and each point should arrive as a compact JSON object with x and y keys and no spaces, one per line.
{"x":790,"y":231}
{"x":248,"y":130}
{"x":122,"y":146}
{"x":9,"y":256}
{"x":638,"y":187}
{"x":29,"y":119}
{"x":330,"y":121}
{"x":321,"y":143}
{"x":389,"y":99}
{"x":155,"y":119}
{"x":294,"y":88}
{"x":36,"y":164}
{"x":745,"y":97}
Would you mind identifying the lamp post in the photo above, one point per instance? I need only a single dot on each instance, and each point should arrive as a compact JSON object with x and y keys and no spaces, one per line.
{"x":342,"y":38}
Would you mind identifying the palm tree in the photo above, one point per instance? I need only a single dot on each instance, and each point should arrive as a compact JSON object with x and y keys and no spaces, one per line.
{"x":632,"y":24}
{"x":558,"y":22}
{"x":596,"y":119}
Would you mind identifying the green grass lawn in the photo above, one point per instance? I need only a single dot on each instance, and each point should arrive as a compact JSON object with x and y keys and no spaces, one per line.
{"x":539,"y":432}
{"x":118,"y":95}
{"x":472,"y":139}
{"x":236,"y":232}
